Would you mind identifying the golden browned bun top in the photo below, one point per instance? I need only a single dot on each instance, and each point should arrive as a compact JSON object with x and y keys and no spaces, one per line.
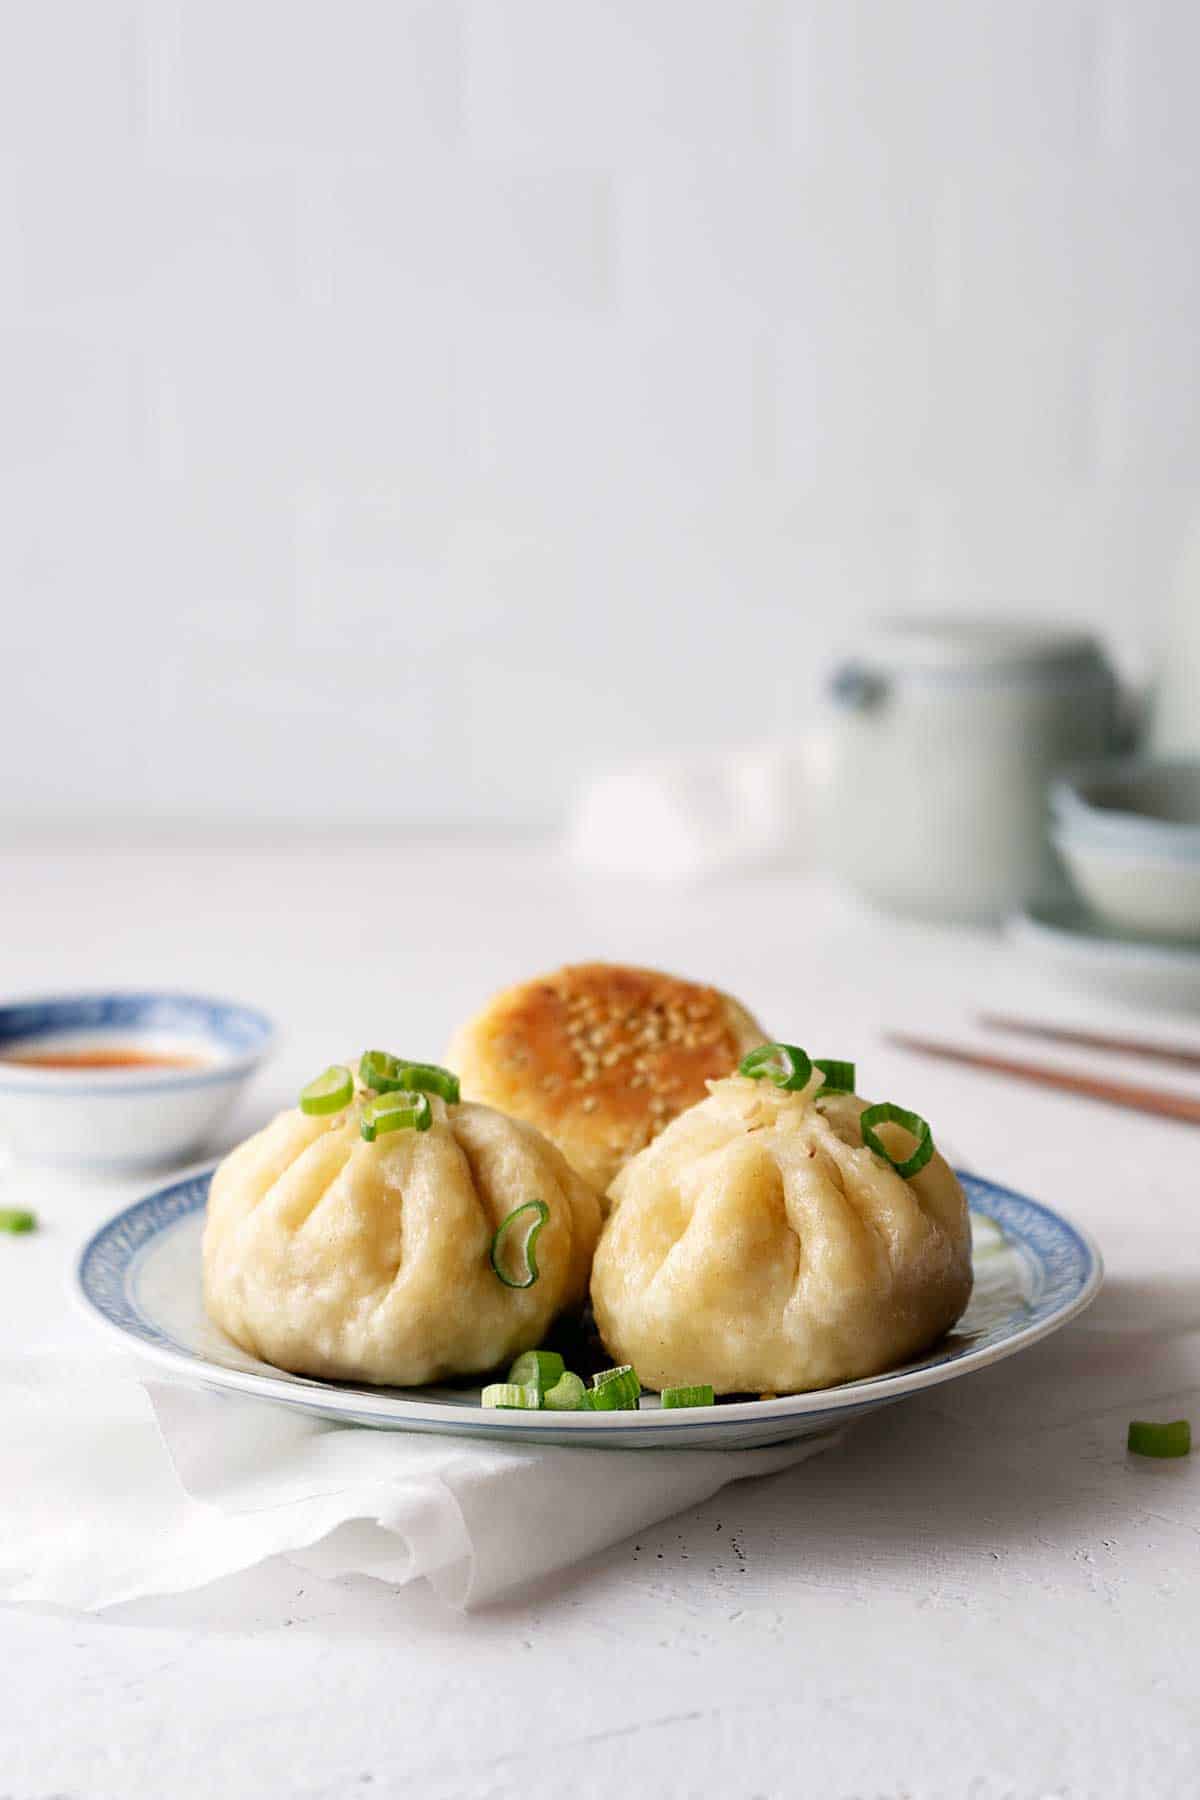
{"x":600,"y":1057}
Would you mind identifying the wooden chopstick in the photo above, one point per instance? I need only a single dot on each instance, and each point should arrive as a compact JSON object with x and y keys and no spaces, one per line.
{"x":1094,"y":1040}
{"x":1094,"y":1087}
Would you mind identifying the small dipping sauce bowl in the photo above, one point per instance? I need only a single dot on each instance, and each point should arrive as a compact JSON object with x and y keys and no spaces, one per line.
{"x":122,"y":1080}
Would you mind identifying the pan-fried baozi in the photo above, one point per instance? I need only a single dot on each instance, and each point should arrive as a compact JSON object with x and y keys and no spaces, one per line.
{"x":383,"y":1232}
{"x":759,"y":1244}
{"x":601,"y":1056}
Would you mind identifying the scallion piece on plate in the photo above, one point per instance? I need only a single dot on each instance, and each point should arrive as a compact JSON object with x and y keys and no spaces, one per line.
{"x":395,"y":1112}
{"x":431,"y":1078}
{"x":1149,"y":1439}
{"x":839,"y":1076}
{"x":784,"y":1064}
{"x":567,"y":1395}
{"x":888,"y":1114}
{"x":510,"y":1396}
{"x":688,"y":1396}
{"x":537,"y":1368}
{"x":330,"y":1092}
{"x":513,"y":1248}
{"x":16,"y":1219}
{"x":616,"y":1390}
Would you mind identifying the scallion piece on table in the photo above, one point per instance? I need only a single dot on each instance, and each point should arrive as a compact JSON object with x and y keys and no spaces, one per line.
{"x":888,"y":1114}
{"x":616,"y":1390}
{"x":786,"y":1065}
{"x":511,"y":1397}
{"x":688,"y":1396}
{"x":537,"y":1368}
{"x":567,"y":1395}
{"x":1149,"y":1439}
{"x":395,"y":1112}
{"x":839,"y":1076}
{"x":330,"y":1092}
{"x":513,"y":1248}
{"x":16,"y":1219}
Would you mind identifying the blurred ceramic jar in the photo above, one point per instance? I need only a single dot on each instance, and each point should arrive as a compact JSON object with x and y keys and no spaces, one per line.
{"x":942,"y":736}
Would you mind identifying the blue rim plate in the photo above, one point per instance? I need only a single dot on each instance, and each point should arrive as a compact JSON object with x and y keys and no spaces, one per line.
{"x":138,"y":1278}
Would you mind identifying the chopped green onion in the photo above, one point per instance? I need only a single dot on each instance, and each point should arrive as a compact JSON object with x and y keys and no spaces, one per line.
{"x":1148,"y":1439}
{"x":330,"y":1092}
{"x":395,"y":1112}
{"x":15,"y":1219}
{"x":537,"y":1368}
{"x":688,"y":1396}
{"x":839,"y":1076}
{"x":616,"y":1390}
{"x":511,"y":1396}
{"x":567,"y":1395}
{"x":380,"y":1070}
{"x":888,"y":1114}
{"x":388,"y":1074}
{"x":431,"y":1078}
{"x":784,"y":1064}
{"x":512,"y":1252}
{"x":603,"y":1377}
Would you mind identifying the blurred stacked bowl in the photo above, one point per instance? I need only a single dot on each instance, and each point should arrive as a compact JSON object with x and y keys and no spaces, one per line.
{"x":1128,"y":831}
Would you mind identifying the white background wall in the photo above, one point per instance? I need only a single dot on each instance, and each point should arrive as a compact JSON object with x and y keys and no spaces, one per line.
{"x":406,"y":405}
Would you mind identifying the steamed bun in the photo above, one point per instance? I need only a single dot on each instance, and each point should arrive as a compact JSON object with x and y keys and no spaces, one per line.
{"x":759,"y":1246}
{"x":331,"y":1256}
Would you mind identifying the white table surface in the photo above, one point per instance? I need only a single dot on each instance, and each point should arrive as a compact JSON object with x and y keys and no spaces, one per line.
{"x":978,"y":1596}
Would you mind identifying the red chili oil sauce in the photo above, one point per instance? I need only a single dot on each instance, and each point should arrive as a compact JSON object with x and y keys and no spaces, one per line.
{"x":103,"y":1056}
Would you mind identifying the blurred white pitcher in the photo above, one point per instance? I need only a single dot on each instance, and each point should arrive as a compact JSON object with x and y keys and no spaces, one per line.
{"x":941,"y":737}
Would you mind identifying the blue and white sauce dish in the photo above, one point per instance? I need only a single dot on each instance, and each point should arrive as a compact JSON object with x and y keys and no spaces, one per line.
{"x":122,"y":1080}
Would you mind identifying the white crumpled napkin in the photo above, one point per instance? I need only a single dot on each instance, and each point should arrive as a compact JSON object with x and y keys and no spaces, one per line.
{"x":116,"y":1486}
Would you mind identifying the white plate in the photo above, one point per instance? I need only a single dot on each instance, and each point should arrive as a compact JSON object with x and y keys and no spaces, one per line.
{"x":139,"y":1278}
{"x":1079,"y":950}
